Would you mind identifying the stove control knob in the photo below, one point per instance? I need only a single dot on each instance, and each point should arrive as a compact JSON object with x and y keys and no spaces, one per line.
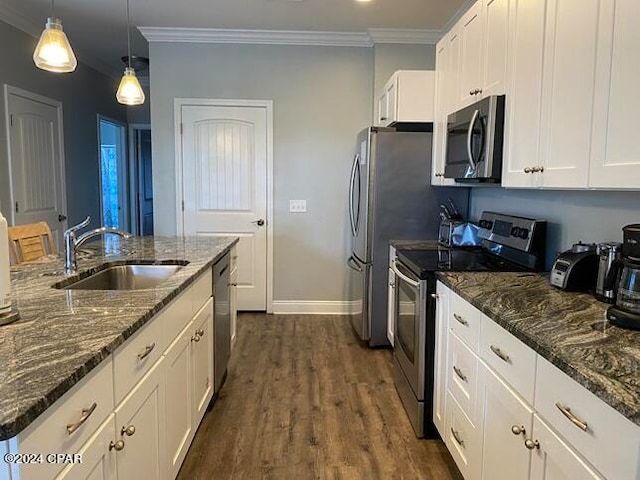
{"x":523,"y":233}
{"x":515,"y":231}
{"x":486,"y":224}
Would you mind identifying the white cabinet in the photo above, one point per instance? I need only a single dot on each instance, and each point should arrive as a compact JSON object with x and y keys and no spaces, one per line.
{"x":233,"y":294}
{"x":179,"y":388}
{"x":98,"y":460}
{"x":140,"y":425}
{"x":391,"y":298}
{"x":408,"y":97}
{"x":553,"y":459}
{"x":495,"y":25}
{"x":505,"y":414}
{"x":440,"y":358}
{"x":471,"y":35}
{"x":615,"y":156}
{"x":202,"y":361}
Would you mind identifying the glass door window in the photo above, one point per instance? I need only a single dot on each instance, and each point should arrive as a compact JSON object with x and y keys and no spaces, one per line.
{"x":113,"y":174}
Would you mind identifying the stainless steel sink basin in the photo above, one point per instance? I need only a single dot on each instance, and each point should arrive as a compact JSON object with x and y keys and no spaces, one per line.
{"x":124,"y":277}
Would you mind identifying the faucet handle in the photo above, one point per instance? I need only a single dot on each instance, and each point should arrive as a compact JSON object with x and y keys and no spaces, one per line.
{"x":77,"y":227}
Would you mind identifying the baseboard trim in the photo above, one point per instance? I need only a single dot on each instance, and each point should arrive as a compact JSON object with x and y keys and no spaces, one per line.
{"x":287,"y":307}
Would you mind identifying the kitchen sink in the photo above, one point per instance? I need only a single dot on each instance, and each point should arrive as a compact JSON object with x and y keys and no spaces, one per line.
{"x":123,"y":277}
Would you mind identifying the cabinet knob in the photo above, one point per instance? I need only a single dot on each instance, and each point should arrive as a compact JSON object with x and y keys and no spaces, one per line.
{"x":472,"y":92}
{"x":117,"y":446}
{"x":531,"y":444}
{"x":434,"y":295}
{"x":518,"y":430}
{"x":128,"y":431}
{"x":200,"y":332}
{"x":382,"y":119}
{"x":195,"y":338}
{"x":528,"y":170}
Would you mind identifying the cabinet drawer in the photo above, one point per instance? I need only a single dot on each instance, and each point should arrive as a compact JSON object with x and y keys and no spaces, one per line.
{"x":201,"y":291}
{"x":138,"y":354}
{"x":91,"y":399}
{"x":509,"y":357}
{"x":464,"y":320}
{"x":463,"y":377}
{"x":463,"y":440}
{"x":600,"y":434}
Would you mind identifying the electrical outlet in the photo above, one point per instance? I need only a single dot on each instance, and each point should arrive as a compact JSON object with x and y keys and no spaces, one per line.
{"x":297,"y":206}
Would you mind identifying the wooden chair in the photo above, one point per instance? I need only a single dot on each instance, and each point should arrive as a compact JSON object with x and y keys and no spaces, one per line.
{"x":28,"y":243}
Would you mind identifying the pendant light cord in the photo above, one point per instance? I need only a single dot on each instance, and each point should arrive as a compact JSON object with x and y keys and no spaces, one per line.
{"x":128,"y":34}
{"x":53,"y":8}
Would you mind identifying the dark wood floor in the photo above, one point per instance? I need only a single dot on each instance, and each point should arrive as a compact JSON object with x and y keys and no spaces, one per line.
{"x":304,"y":400}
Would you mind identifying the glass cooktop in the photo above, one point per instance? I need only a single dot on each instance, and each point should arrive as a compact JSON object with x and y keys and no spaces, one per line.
{"x":441,"y":259}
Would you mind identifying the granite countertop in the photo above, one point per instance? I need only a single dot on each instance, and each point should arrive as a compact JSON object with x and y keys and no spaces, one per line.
{"x":64,"y":334}
{"x":568,"y":329}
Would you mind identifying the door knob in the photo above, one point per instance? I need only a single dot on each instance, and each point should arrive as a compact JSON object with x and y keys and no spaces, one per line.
{"x":260,"y":222}
{"x":62,"y":218}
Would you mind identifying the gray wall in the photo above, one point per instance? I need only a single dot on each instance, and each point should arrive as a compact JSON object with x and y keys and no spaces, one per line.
{"x":141,"y":114}
{"x":389,"y":58}
{"x":322,"y":99}
{"x":588,"y":216}
{"x":84,"y":94}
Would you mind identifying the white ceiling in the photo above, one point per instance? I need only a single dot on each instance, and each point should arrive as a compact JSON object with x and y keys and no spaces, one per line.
{"x":97,"y":28}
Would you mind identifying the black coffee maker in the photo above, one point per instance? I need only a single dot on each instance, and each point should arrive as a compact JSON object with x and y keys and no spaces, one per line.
{"x":626,"y":312}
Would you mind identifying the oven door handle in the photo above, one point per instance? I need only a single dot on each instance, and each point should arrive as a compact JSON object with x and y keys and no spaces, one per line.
{"x":410,"y":281}
{"x":474,"y":119}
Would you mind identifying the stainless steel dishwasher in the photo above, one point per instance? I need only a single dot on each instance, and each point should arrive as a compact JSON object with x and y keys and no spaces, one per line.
{"x":222,"y":321}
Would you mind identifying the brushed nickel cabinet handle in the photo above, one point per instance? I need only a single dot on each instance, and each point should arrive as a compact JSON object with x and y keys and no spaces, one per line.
{"x":456,"y":437}
{"x":147,"y":350}
{"x":86,"y":413}
{"x":460,"y":320}
{"x":531,"y":444}
{"x":578,"y":422}
{"x":500,"y":354}
{"x":117,"y":446}
{"x":459,"y":373}
{"x":128,"y":431}
{"x":518,"y":430}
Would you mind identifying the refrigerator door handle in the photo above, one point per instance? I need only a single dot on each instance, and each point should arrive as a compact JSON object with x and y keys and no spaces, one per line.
{"x":354,"y":170}
{"x":353,"y":264}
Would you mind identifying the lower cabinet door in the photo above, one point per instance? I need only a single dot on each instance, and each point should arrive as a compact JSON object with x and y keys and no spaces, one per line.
{"x":140,"y":425}
{"x":98,"y":460}
{"x":179,"y":399}
{"x":202,"y":358}
{"x":440,"y":358}
{"x":555,"y":460}
{"x":507,"y":424}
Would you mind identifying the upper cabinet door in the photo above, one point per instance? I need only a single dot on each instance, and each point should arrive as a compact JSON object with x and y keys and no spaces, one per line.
{"x":495,"y":17}
{"x":615,"y":161}
{"x":440,"y":123}
{"x":570,"y":58}
{"x":524,"y":95}
{"x":471,"y":34}
{"x":383,"y":114}
{"x":392,"y":102}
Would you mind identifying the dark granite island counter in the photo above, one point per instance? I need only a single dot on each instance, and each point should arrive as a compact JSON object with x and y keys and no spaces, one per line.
{"x":568,"y":329}
{"x":64,"y":334}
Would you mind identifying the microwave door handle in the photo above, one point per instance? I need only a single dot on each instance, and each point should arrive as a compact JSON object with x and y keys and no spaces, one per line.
{"x":351,"y":189}
{"x":474,"y":119}
{"x":411,"y":282}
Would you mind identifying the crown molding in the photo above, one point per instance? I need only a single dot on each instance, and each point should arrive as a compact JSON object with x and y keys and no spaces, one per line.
{"x":256,"y":37}
{"x":290,"y":37}
{"x":18,"y":20}
{"x":405,"y":36}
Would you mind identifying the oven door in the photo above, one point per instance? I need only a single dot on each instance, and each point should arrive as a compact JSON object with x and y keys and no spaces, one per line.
{"x":410,"y":329}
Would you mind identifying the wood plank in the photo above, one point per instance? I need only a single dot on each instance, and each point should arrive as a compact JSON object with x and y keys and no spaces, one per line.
{"x":305,"y":399}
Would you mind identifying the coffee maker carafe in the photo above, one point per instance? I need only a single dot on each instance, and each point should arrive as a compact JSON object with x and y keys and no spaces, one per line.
{"x":626,"y":312}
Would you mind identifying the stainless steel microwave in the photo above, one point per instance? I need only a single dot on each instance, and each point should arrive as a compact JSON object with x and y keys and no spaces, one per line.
{"x":475,"y":136}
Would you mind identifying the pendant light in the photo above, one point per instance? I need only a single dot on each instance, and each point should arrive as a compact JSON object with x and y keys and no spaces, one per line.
{"x":53,"y":52}
{"x":129,"y":91}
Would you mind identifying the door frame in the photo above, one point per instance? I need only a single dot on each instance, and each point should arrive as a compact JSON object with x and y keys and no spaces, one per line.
{"x":133,"y":174}
{"x":11,"y":90}
{"x":125,"y":172}
{"x":178,"y":103}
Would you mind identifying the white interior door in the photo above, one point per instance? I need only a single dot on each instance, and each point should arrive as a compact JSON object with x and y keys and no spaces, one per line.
{"x":224,"y":172}
{"x":35,"y":159}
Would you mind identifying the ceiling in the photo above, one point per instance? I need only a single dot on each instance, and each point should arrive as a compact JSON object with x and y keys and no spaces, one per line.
{"x":97,"y":28}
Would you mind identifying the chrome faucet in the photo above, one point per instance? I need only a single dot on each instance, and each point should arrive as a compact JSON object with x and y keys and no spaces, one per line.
{"x":72,"y":243}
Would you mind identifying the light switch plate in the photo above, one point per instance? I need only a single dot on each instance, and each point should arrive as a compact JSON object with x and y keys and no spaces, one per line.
{"x":297,"y":206}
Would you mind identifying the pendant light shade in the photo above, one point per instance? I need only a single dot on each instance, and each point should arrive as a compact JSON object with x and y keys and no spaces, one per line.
{"x":53,"y":52}
{"x":130,"y":92}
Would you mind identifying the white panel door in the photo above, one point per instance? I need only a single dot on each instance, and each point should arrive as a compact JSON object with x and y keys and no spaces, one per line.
{"x":37,"y":170}
{"x":568,"y":91}
{"x":554,"y":459}
{"x":224,"y":171}
{"x":615,"y":162}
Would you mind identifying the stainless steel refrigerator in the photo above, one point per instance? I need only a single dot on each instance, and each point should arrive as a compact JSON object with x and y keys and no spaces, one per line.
{"x":389,"y":198}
